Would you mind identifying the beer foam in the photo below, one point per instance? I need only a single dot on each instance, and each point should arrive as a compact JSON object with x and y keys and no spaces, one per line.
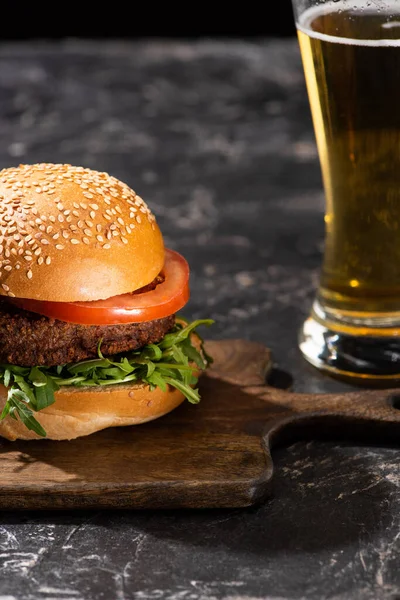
{"x":366,"y":6}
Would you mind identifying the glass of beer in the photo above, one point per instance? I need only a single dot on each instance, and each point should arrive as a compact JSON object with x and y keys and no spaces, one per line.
{"x":351,"y":57}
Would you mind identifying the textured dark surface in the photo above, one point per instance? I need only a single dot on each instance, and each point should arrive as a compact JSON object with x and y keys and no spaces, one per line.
{"x":217,"y":137}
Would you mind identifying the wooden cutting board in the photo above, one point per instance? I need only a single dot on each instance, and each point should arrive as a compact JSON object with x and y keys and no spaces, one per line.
{"x":214,"y":454}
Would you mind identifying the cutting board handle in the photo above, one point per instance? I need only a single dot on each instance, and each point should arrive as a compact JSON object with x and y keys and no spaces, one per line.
{"x":370,"y":414}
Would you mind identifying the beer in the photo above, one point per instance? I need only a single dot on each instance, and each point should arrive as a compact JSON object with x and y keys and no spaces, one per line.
{"x":351,"y":59}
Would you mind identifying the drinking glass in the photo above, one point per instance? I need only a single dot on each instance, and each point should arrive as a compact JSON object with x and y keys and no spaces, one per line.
{"x":351,"y":57}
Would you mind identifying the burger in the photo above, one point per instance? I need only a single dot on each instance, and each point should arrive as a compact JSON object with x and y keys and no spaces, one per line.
{"x":89,"y":295}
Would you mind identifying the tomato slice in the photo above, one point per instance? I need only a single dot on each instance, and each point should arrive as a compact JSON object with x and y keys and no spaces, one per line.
{"x":166,"y":299}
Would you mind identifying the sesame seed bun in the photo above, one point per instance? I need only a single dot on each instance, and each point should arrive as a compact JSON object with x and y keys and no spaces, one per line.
{"x":73,"y":234}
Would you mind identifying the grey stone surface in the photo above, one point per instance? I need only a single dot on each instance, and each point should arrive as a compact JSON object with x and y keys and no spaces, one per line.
{"x":217,"y":137}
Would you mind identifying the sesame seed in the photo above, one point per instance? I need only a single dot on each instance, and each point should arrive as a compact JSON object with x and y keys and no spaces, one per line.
{"x":74,"y":241}
{"x":29,"y":274}
{"x":106,"y":246}
{"x":88,"y":232}
{"x":100,"y":238}
{"x":28,"y":258}
{"x":48,"y":260}
{"x":5,"y":287}
{"x":17,"y":212}
{"x":56,"y":236}
{"x":40,"y":260}
{"x":11,"y":295}
{"x":65,"y":234}
{"x":124,"y":240}
{"x":85,"y":241}
{"x":59,"y":247}
{"x":8,"y":268}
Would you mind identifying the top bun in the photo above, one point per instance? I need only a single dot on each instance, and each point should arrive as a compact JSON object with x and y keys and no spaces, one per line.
{"x":72,"y":234}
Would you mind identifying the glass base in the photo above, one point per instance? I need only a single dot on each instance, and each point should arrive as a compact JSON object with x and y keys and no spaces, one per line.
{"x":358,"y":357}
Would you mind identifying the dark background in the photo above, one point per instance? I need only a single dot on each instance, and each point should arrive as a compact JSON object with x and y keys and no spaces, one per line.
{"x":126,"y":20}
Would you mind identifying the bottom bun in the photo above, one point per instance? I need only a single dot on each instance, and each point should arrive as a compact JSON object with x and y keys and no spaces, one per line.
{"x":82,"y":411}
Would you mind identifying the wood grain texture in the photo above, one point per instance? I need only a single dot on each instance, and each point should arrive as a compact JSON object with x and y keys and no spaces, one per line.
{"x":215,"y":454}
